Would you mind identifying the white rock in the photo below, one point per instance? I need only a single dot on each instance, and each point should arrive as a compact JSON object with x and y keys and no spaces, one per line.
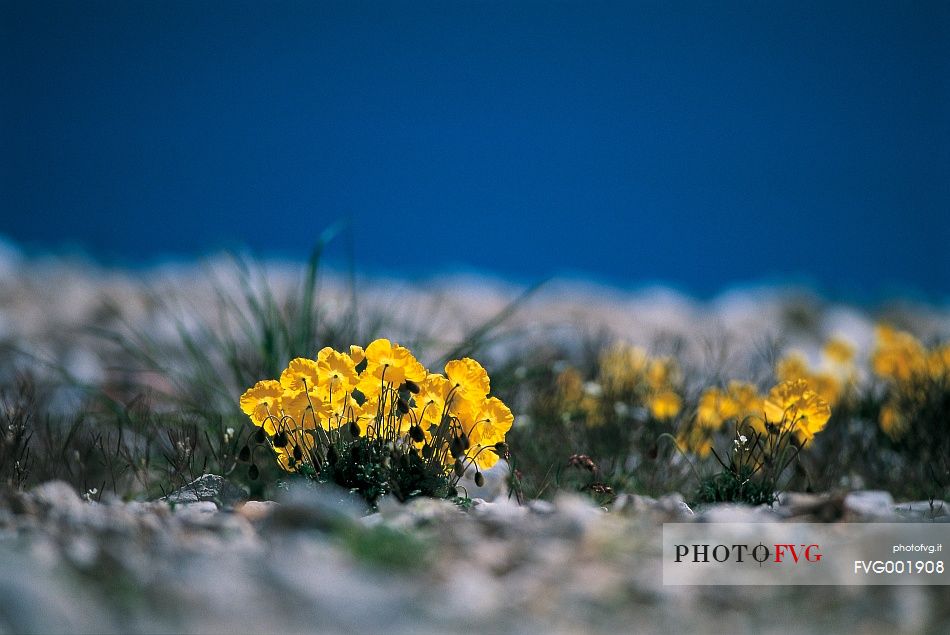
{"x":870,"y":504}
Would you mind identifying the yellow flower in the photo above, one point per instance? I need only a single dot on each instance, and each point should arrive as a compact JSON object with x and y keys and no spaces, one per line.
{"x":570,"y":384}
{"x":430,"y":402}
{"x":713,"y":409}
{"x":297,"y":405}
{"x":745,"y":396}
{"x":485,"y":421}
{"x":795,"y":406}
{"x":898,"y":356}
{"x":337,"y":371}
{"x":660,"y":373}
{"x":748,"y":404}
{"x":494,"y":421}
{"x":365,"y":416}
{"x":300,"y":374}
{"x":794,"y":366}
{"x":357,"y":354}
{"x":388,"y":363}
{"x":262,"y":400}
{"x":622,"y":367}
{"x":468,"y":377}
{"x":665,"y":405}
{"x":296,"y":452}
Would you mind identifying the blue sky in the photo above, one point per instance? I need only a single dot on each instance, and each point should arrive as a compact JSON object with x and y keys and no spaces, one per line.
{"x":697,"y":144}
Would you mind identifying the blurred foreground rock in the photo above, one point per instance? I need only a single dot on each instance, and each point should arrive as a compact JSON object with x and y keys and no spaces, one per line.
{"x":316,"y":561}
{"x":209,"y":487}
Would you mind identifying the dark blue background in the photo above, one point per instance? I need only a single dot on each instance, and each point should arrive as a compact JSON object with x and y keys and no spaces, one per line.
{"x":699,"y":144}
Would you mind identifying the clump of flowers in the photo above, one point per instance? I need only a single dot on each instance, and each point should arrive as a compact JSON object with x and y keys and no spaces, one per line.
{"x":614,"y":410}
{"x":375,"y":420}
{"x":912,"y":375}
{"x":626,"y":378}
{"x":916,"y":400}
{"x":769,"y":433}
{"x":740,"y":401}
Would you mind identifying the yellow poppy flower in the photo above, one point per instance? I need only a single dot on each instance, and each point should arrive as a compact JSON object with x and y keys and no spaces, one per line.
{"x":748,"y":404}
{"x":660,"y":373}
{"x":430,"y":402}
{"x":665,"y":405}
{"x":898,"y":355}
{"x":570,"y":385}
{"x":262,"y":400}
{"x":468,"y":377}
{"x":297,"y":404}
{"x":300,"y":374}
{"x":337,"y":371}
{"x":365,"y":416}
{"x":622,"y":367}
{"x":795,"y":406}
{"x":494,"y":421}
{"x":296,"y":452}
{"x":713,"y":408}
{"x":391,"y":364}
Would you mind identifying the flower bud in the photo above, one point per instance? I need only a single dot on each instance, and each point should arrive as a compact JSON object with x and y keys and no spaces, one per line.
{"x":416,"y":434}
{"x":253,"y":472}
{"x":455,"y":447}
{"x":260,"y":436}
{"x":245,"y":454}
{"x":479,"y":479}
{"x":280,"y":439}
{"x":402,"y":407}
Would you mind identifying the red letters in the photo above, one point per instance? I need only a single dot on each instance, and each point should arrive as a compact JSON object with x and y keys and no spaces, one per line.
{"x":809,"y":552}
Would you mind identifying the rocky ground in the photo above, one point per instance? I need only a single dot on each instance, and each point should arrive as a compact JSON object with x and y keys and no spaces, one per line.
{"x":206,"y":561}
